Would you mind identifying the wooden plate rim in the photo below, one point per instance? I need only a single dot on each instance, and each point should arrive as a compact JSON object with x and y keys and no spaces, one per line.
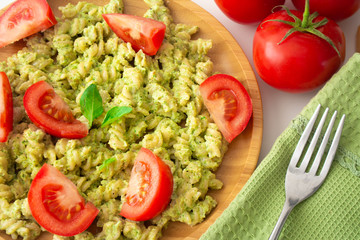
{"x":255,"y":128}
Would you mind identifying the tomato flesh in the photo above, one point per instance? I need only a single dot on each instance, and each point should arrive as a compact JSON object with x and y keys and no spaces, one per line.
{"x":228,"y":103}
{"x":150,"y":187}
{"x":48,"y":111}
{"x":56,"y":204}
{"x":6,"y":108}
{"x":143,"y":33}
{"x":24,"y":18}
{"x":140,"y":184}
{"x":51,"y":104}
{"x":303,"y":61}
{"x":247,"y":11}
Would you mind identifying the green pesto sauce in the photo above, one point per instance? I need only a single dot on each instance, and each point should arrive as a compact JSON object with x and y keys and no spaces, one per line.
{"x":168,"y":118}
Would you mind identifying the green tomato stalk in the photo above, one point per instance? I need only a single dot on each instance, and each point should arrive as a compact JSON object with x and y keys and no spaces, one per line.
{"x":306,"y":15}
{"x":306,"y":25}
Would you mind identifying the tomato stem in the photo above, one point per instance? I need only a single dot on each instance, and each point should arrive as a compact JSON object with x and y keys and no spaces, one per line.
{"x":306,"y":25}
{"x":306,"y":14}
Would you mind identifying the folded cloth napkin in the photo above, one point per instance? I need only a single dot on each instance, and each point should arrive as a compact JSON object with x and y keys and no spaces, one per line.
{"x":333,"y":212}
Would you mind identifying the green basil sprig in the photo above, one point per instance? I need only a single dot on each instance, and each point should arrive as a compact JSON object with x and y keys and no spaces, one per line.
{"x":114,"y":114}
{"x":91,"y":103}
{"x":91,"y":107}
{"x":106,"y":163}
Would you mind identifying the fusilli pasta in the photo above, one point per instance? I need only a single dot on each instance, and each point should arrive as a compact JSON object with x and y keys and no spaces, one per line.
{"x":168,"y":118}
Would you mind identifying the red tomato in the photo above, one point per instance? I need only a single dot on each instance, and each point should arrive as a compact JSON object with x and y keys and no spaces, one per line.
{"x":6,"y":107}
{"x":143,"y":33}
{"x":301,"y":62}
{"x":24,"y":18}
{"x":228,"y":103}
{"x":150,"y":187}
{"x":48,"y":111}
{"x":56,"y":204}
{"x":247,"y":11}
{"x":334,"y":9}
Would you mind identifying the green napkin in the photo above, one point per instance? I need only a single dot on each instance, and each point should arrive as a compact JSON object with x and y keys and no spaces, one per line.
{"x":333,"y":212}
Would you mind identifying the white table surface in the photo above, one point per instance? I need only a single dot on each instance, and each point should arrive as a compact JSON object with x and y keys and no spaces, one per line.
{"x":279,"y":108}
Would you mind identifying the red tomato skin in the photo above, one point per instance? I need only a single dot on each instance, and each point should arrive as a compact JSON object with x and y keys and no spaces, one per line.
{"x":24,"y":18}
{"x":300,"y":63}
{"x":247,"y":11}
{"x":46,"y":122}
{"x":79,"y":223}
{"x":333,"y":9}
{"x":161,"y":188}
{"x":6,"y":107}
{"x":229,"y":129}
{"x":130,"y":28}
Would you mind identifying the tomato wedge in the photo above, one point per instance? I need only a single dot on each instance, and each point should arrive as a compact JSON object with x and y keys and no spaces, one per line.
{"x":150,"y":187}
{"x":24,"y":18}
{"x":56,"y":204}
{"x":228,"y":102}
{"x":6,"y":107}
{"x":143,"y":33}
{"x":48,"y":111}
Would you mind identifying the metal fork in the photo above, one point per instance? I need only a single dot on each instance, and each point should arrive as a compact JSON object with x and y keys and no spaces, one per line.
{"x":299,"y":183}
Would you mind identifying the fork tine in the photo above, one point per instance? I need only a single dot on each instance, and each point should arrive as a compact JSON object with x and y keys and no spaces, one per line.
{"x":331,"y":154}
{"x":303,"y":139}
{"x":314,"y":140}
{"x":322,"y":147}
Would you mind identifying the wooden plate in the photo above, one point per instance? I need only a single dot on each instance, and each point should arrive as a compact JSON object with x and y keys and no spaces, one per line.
{"x":358,"y":40}
{"x":228,"y":57}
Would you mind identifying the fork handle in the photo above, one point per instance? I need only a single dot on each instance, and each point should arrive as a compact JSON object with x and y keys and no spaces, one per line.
{"x":280,"y":223}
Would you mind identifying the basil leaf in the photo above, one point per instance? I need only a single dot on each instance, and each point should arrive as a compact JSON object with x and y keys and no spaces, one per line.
{"x":114,"y":114}
{"x":91,"y":103}
{"x":106,"y":163}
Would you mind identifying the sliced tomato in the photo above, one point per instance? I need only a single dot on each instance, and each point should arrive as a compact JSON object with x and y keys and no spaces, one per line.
{"x":56,"y":204}
{"x":150,"y":187}
{"x":228,"y":102}
{"x":6,"y":107}
{"x":48,"y":111}
{"x":24,"y":18}
{"x":143,"y":33}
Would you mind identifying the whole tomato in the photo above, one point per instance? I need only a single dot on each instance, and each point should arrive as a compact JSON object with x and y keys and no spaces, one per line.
{"x":334,"y":9}
{"x":247,"y":11}
{"x":300,"y":62}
